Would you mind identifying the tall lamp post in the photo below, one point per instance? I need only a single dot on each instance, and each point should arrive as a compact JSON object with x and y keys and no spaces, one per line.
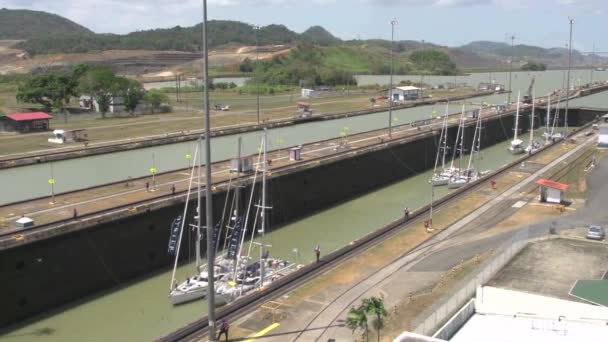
{"x":422,"y":71}
{"x":208,"y":204}
{"x":568,"y":77}
{"x":511,"y":68}
{"x":257,"y":64}
{"x":390,"y":87}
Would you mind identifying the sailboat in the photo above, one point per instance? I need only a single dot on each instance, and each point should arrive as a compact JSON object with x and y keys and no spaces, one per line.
{"x":442,"y":177}
{"x":246,"y":276}
{"x":532,"y":145}
{"x":194,"y":287}
{"x":550,"y":134}
{"x":516,"y":146}
{"x":470,"y":174}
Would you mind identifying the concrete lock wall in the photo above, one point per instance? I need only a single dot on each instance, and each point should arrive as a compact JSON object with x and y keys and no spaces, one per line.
{"x":39,"y":276}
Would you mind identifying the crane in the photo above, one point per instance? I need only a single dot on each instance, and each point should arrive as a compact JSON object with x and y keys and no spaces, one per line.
{"x":528,"y":97}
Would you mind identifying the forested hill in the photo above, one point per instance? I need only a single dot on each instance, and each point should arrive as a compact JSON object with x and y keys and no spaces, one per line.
{"x":24,"y":24}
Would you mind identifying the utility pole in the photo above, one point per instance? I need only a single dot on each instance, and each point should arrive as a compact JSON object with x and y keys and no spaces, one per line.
{"x":390,"y":87}
{"x":568,"y":77}
{"x":511,"y":68}
{"x":208,"y":204}
{"x":592,"y":63}
{"x":422,"y":70}
{"x":257,"y":81}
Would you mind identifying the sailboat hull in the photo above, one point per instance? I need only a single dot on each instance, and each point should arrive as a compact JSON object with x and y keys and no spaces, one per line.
{"x":516,"y":150}
{"x":183,"y":296}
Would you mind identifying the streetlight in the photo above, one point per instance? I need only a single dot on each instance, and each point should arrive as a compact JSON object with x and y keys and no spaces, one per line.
{"x":390,"y":87}
{"x":422,"y":70}
{"x":511,"y":68}
{"x":52,"y":183}
{"x":257,"y":64}
{"x":568,"y":77}
{"x":208,"y":198}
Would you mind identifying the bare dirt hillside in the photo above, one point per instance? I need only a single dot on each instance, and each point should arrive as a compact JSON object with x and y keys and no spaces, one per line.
{"x":142,"y":63}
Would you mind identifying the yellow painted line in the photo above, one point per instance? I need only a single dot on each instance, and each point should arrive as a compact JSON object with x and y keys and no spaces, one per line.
{"x":263,"y":332}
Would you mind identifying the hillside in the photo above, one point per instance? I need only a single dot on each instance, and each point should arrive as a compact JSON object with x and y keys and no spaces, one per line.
{"x":24,"y":24}
{"x":178,"y":38}
{"x":50,"y":37}
{"x":319,"y":36}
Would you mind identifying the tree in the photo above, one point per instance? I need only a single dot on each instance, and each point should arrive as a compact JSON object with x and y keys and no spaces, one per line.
{"x":100,"y":83}
{"x":531,"y":66}
{"x":52,"y":90}
{"x":357,"y":319}
{"x":155,"y":98}
{"x":375,"y":306}
{"x":131,"y":93}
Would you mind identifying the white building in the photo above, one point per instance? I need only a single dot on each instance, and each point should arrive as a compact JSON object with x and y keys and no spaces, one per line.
{"x":405,"y":93}
{"x":603,"y":136}
{"x":116,"y":104}
{"x":309,"y":93}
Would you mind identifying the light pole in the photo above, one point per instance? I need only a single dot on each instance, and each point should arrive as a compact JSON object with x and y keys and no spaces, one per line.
{"x":568,"y":77}
{"x":422,"y":70}
{"x":208,"y":204}
{"x":52,"y":183}
{"x":390,"y":87}
{"x":257,"y":81}
{"x":511,"y":68}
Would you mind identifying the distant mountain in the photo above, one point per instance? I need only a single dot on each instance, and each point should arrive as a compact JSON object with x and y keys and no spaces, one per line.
{"x":44,"y":33}
{"x":500,"y":53}
{"x":25,"y":24}
{"x":320,"y":36}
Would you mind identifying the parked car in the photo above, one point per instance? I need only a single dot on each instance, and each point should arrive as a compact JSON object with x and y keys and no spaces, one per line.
{"x":595,"y":232}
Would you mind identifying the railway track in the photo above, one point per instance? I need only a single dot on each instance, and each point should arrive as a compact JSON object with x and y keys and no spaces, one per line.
{"x":238,"y":309}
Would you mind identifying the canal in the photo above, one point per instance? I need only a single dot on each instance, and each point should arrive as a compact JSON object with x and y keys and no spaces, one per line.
{"x":31,"y":181}
{"x":140,"y":310}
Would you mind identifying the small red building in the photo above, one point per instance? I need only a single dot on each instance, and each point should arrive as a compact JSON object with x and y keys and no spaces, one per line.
{"x":25,"y":122}
{"x":551,"y":191}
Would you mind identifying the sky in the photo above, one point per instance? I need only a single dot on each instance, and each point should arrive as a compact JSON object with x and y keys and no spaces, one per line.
{"x":444,"y":22}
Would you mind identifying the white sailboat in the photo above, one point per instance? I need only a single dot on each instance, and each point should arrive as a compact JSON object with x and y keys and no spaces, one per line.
{"x":532,"y":145}
{"x":517,"y":146}
{"x":550,"y":134}
{"x":442,"y":177}
{"x":470,"y":174}
{"x":193,"y":287}
{"x":246,"y":276}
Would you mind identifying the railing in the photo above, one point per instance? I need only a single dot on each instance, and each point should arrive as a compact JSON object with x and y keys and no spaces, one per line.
{"x":429,"y":321}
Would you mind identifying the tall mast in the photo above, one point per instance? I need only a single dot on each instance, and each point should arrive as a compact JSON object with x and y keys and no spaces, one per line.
{"x":181,"y":231}
{"x":439,"y":147}
{"x":568,"y":78}
{"x":445,"y":135}
{"x":532,"y":122}
{"x":474,"y":142}
{"x":478,"y":157}
{"x":457,"y":136}
{"x":208,"y":199}
{"x":517,"y":116}
{"x":548,"y":118}
{"x":461,"y":144}
{"x":263,"y":209}
{"x":199,"y":209}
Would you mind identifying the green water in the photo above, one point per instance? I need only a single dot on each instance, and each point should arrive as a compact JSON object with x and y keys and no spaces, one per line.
{"x":141,"y":311}
{"x":32,"y":181}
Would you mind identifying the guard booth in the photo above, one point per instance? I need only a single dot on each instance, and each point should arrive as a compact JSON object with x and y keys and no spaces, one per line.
{"x":242,"y":165}
{"x":551,"y":191}
{"x":24,"y":222}
{"x":295,"y":153}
